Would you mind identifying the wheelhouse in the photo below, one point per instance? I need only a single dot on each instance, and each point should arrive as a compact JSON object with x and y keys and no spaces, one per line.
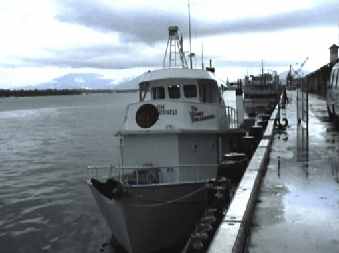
{"x":190,"y":90}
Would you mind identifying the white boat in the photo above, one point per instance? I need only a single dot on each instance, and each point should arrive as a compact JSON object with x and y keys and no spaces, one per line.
{"x":170,"y":149}
{"x":332,"y":96}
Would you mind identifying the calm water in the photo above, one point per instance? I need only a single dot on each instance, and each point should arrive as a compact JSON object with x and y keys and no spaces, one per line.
{"x":45,"y":145}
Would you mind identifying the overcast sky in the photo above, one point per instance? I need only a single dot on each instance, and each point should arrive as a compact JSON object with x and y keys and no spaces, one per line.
{"x":44,"y":39}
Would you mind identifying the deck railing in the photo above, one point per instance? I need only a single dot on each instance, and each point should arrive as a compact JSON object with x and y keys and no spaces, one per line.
{"x":231,"y":115}
{"x":138,"y":175}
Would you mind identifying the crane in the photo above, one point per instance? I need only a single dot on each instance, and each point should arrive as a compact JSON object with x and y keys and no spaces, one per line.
{"x":296,"y":73}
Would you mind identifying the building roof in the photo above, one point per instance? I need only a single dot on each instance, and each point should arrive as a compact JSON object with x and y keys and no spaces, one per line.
{"x":326,"y":67}
{"x":334,"y":46}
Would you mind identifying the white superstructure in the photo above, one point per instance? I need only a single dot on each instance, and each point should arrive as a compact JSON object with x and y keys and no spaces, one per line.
{"x":184,"y":113}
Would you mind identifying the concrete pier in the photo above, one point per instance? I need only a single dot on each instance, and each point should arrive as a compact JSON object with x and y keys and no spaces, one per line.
{"x":298,"y":203}
{"x":288,"y":198}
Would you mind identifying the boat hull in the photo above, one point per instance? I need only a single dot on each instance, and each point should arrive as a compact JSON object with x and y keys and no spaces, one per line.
{"x":152,"y":218}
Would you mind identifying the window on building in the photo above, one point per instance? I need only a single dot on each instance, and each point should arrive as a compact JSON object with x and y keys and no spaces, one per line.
{"x":158,"y":92}
{"x":174,"y":91}
{"x":190,"y":91}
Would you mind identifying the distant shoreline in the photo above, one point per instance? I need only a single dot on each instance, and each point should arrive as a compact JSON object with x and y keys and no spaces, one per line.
{"x":58,"y":92}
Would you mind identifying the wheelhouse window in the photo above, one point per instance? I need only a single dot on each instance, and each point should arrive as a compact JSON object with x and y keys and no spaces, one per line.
{"x":174,"y":91}
{"x":158,"y":92}
{"x":144,"y":91}
{"x":190,"y":91}
{"x":208,"y":92}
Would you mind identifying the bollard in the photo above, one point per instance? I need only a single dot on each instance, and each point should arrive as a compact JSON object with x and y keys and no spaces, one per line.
{"x":205,"y":228}
{"x":257,"y":132}
{"x":232,"y":167}
{"x":265,"y":117}
{"x":210,"y":219}
{"x":248,"y":145}
{"x":211,"y":211}
{"x":197,"y":245}
{"x":248,"y":122}
{"x":262,"y":123}
{"x":235,"y":141}
{"x":231,"y":142}
{"x":234,"y":156}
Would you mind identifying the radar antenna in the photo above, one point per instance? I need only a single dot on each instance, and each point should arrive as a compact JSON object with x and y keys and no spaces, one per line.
{"x":190,"y":33}
{"x":174,"y":48}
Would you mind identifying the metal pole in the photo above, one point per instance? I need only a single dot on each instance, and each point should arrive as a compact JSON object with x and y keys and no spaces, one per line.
{"x":202,"y":56}
{"x":297,"y":84}
{"x":302,"y":100}
{"x":307,"y":118}
{"x":189,"y":32}
{"x":307,"y":108}
{"x":137,"y":175}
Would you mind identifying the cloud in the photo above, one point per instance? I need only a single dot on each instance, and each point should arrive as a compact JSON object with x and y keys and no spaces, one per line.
{"x":323,"y":15}
{"x":99,"y":57}
{"x":133,"y":24}
{"x":250,"y":63}
{"x":107,"y":57}
{"x":151,"y":25}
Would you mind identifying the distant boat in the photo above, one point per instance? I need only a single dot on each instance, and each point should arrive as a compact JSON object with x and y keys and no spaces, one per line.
{"x":169,"y":151}
{"x":261,"y":93}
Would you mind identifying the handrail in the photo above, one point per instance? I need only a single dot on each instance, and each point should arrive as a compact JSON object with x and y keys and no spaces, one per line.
{"x":231,"y":115}
{"x":138,"y":173}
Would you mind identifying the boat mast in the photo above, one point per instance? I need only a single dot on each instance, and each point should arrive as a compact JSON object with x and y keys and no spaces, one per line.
{"x":174,"y":47}
{"x":202,"y":56}
{"x":263,"y":78}
{"x":189,"y":32}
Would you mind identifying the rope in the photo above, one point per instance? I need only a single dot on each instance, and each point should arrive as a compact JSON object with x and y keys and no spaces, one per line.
{"x":171,"y":201}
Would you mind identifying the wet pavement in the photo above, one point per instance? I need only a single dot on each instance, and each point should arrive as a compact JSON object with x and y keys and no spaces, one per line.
{"x":298,"y":205}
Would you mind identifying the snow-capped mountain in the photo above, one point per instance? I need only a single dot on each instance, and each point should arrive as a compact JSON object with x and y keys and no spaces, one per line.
{"x":76,"y":81}
{"x":130,"y":83}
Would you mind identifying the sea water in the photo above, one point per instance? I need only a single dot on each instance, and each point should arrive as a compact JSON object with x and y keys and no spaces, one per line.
{"x":46,"y":144}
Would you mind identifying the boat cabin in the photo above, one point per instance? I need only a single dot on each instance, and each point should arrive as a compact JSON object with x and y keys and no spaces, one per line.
{"x":203,"y":91}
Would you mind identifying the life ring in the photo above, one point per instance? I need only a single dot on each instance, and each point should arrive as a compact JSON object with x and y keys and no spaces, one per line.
{"x":285,"y":124}
{"x":146,"y":115}
{"x":276,"y":123}
{"x":279,"y":125}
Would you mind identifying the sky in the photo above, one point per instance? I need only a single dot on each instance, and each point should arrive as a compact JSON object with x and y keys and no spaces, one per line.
{"x":120,"y":39}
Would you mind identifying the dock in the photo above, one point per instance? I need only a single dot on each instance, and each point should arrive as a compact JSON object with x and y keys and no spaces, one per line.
{"x":288,"y":198}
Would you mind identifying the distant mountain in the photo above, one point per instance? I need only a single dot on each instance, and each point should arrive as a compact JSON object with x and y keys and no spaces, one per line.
{"x":130,"y":83}
{"x":76,"y":81}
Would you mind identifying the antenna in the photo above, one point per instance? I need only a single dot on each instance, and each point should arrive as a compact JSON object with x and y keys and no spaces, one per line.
{"x":174,"y":47}
{"x":189,"y":32}
{"x":262,"y":72}
{"x":202,"y":56}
